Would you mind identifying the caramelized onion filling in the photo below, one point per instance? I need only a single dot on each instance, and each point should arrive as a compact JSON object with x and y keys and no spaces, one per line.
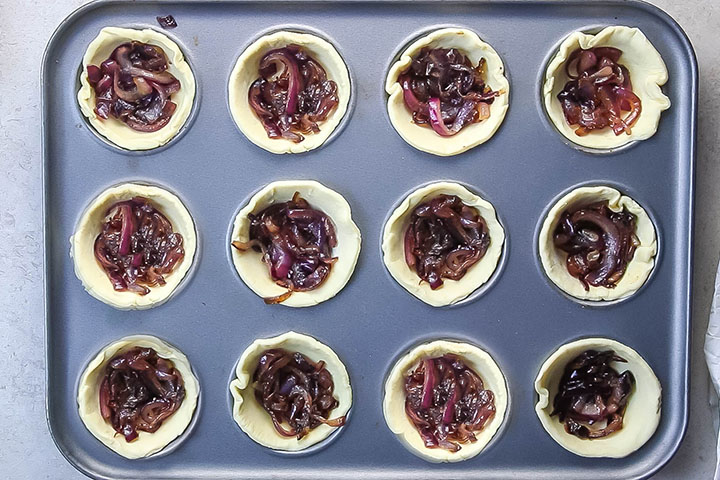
{"x":599,"y":242}
{"x":296,"y":241}
{"x":296,"y":392}
{"x":592,"y":395}
{"x":444,"y":239}
{"x":599,"y":91}
{"x":447,"y":402}
{"x":293,"y":95}
{"x":137,"y":246}
{"x":139,"y":391}
{"x":445,"y":91}
{"x":134,"y":86}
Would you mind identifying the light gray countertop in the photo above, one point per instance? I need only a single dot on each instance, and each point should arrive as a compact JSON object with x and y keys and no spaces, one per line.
{"x":26,"y":449}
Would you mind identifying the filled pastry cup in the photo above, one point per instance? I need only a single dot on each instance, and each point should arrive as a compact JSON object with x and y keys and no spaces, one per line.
{"x":394,"y":400}
{"x":146,"y":443}
{"x":642,"y":412}
{"x":246,"y":71}
{"x":254,"y":271}
{"x":116,"y":131}
{"x":250,"y":414}
{"x":554,"y":260}
{"x":452,"y":291}
{"x":88,"y":269}
{"x":425,"y":138}
{"x":647,"y":71}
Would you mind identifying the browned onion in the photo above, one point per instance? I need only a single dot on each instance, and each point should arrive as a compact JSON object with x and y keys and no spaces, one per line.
{"x":442,"y":89}
{"x":592,"y":395}
{"x":296,"y":392}
{"x":296,"y":241}
{"x":447,"y":402}
{"x":293,"y":95}
{"x":598,"y":92}
{"x":134,"y":86}
{"x":444,"y":239}
{"x":137,"y":246}
{"x":139,"y":391}
{"x":599,"y":242}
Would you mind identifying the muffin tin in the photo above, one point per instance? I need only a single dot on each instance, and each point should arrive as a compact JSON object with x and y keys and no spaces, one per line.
{"x":520,"y":320}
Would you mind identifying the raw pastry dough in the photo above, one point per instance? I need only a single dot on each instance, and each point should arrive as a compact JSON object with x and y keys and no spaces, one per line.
{"x":147,"y":443}
{"x":116,"y":131}
{"x":245,"y":73}
{"x":424,"y":138}
{"x":394,"y":400}
{"x":638,"y":269}
{"x":647,"y":71}
{"x":252,"y":417}
{"x":642,"y":413}
{"x":254,"y":272}
{"x":82,"y":242}
{"x":452,"y":291}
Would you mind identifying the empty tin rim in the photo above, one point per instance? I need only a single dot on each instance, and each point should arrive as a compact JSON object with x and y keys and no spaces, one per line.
{"x":623,"y":189}
{"x":192,"y":115}
{"x":301,"y":29}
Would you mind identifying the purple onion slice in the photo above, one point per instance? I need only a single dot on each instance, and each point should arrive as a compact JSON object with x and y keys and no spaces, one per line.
{"x":598,"y":93}
{"x":447,"y":402}
{"x":134,"y":86}
{"x":592,"y":395}
{"x":599,"y":242}
{"x":137,"y":246}
{"x":445,"y":91}
{"x":139,"y":391}
{"x":444,"y":239}
{"x":296,"y":392}
{"x":297,"y":243}
{"x":292,"y":95}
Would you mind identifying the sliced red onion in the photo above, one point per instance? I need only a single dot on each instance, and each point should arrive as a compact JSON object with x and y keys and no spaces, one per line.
{"x":436,"y":120}
{"x":429,"y":383}
{"x":127,"y":229}
{"x":409,"y":96}
{"x":297,"y":243}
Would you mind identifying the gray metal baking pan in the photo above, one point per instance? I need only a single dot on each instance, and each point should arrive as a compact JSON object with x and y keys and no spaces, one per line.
{"x":520,"y":320}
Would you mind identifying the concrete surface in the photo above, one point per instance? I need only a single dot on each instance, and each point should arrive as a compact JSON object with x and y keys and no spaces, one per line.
{"x":26,"y":449}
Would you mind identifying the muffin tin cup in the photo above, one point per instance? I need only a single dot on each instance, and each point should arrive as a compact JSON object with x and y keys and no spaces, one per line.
{"x":483,"y":289}
{"x":297,"y":28}
{"x":180,"y":439}
{"x":187,"y":54}
{"x":625,"y":190}
{"x":213,"y":168}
